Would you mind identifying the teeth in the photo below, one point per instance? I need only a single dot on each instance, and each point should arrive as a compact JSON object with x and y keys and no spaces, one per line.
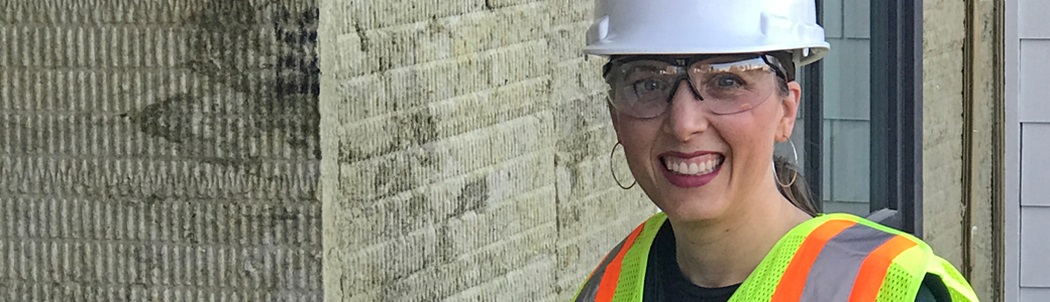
{"x":692,"y":168}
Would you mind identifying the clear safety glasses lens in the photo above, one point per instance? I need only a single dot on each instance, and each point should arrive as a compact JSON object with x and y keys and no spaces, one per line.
{"x":643,"y":88}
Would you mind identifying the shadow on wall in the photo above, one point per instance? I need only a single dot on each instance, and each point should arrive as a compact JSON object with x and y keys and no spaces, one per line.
{"x":261,"y":90}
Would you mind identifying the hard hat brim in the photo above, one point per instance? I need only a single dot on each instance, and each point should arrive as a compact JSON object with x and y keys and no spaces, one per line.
{"x":816,"y":50}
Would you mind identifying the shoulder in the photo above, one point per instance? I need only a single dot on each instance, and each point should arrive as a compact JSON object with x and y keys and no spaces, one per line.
{"x":892,"y":261}
{"x":870,"y":247}
{"x":848,"y":241}
{"x":833,"y":252}
{"x":849,"y":231}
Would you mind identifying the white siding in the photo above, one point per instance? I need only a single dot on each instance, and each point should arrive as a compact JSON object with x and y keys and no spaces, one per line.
{"x":1035,"y":246}
{"x":1034,"y":294}
{"x":1028,"y":148}
{"x":1035,"y":177}
{"x":1032,"y":19}
{"x":1035,"y":71}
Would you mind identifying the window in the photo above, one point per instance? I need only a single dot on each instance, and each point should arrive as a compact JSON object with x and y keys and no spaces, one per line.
{"x":861,"y":155}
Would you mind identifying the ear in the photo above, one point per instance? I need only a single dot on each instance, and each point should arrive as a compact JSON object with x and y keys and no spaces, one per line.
{"x":790,"y":104}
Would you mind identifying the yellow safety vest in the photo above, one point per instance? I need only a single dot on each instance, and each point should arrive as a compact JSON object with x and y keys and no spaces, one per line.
{"x":815,"y":261}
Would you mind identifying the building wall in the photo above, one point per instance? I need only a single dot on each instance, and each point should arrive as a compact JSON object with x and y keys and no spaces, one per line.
{"x":961,"y":59}
{"x":983,"y":165}
{"x":1012,"y":156}
{"x":172,"y":149}
{"x":158,"y":150}
{"x":944,"y":33}
{"x":1031,"y":41}
{"x":470,"y":146}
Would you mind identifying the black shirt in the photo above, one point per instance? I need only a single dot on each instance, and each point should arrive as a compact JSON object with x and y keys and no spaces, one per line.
{"x":664,"y":281}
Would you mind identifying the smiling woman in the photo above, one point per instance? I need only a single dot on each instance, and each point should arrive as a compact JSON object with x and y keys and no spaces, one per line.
{"x":700,"y":92}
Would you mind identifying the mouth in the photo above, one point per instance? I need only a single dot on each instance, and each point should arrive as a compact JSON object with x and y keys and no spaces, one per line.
{"x":692,"y":165}
{"x":691,"y":170}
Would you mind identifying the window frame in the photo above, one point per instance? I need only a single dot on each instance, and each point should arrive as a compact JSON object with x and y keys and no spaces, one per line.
{"x":896,"y":118}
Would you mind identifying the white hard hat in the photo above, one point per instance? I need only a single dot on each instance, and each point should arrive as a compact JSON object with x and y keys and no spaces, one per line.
{"x":706,"y":26}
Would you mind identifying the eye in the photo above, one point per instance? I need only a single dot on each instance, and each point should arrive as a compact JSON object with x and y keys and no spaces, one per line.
{"x":727,"y":81}
{"x":646,"y":86}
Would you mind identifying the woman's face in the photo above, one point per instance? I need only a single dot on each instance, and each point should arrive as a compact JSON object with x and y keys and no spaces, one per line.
{"x":697,"y":165}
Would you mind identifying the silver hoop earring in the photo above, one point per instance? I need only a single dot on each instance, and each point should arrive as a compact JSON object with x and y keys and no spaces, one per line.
{"x":776,"y":176}
{"x":618,"y":182}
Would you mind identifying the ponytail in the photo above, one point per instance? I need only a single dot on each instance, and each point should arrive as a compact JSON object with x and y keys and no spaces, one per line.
{"x":798,"y":192}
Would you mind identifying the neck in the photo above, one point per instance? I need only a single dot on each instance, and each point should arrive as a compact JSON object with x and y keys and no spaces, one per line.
{"x":724,"y":252}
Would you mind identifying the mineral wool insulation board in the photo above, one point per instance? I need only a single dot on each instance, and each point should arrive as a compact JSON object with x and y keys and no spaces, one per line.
{"x":159,"y":150}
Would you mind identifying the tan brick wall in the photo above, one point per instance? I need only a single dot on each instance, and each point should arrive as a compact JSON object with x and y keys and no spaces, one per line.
{"x":469,"y":144}
{"x":158,"y":151}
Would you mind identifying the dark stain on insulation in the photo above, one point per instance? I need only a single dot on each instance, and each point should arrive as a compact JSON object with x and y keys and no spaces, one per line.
{"x":277,"y":87}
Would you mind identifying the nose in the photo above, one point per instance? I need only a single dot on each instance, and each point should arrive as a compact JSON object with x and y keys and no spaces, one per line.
{"x":686,"y":117}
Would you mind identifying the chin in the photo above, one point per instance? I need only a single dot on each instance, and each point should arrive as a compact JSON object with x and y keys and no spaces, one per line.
{"x":691,"y":208}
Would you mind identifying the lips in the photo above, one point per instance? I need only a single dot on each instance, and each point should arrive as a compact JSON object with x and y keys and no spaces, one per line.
{"x":692,"y":169}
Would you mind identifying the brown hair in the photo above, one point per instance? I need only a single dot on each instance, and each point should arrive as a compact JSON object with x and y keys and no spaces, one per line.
{"x":798,"y":192}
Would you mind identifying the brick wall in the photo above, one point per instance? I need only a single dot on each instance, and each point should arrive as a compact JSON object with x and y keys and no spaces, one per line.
{"x":466,"y":151}
{"x":159,"y":151}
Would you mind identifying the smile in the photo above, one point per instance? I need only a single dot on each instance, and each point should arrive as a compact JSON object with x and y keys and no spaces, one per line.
{"x":691,"y":170}
{"x":696,"y":166}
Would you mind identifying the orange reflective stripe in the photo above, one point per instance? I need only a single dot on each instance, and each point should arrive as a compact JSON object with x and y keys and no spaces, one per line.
{"x":794,"y":278}
{"x":607,"y":287}
{"x":873,"y":271}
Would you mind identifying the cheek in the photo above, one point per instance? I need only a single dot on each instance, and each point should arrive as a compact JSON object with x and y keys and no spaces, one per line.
{"x":638,"y":138}
{"x":747,"y":139}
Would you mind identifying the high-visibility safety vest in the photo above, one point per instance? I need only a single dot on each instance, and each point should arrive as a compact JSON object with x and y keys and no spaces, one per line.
{"x":832,"y":257}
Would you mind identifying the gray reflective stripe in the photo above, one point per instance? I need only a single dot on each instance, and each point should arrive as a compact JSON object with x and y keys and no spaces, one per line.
{"x":590,"y":289}
{"x":833,"y":272}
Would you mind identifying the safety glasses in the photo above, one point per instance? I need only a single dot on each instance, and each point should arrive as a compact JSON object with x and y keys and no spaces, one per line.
{"x":642,"y":87}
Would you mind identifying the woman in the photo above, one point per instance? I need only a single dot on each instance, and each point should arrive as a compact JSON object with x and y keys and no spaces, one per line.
{"x":700,"y":91}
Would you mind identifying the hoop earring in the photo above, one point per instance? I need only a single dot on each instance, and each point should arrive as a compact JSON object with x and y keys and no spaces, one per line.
{"x":618,"y":182}
{"x":794,"y":176}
